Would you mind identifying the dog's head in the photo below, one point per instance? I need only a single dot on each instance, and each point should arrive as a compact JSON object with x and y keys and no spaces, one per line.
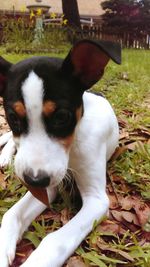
{"x":43,"y":104}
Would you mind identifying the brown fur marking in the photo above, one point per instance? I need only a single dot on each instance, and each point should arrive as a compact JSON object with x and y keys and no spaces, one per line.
{"x":20,"y":109}
{"x":48,"y":107}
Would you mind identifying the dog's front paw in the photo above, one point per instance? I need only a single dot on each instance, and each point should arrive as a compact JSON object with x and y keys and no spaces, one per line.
{"x":4,"y":138}
{"x":5,"y":160}
{"x":8,"y":150}
{"x":38,"y":259}
{"x":50,"y":253}
{"x":7,"y":249}
{"x":9,"y":235}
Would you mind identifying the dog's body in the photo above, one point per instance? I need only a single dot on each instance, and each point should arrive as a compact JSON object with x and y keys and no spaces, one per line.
{"x":56,"y":126}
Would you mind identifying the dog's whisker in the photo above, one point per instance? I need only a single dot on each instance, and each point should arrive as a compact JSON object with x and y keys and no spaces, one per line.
{"x":74,"y":172}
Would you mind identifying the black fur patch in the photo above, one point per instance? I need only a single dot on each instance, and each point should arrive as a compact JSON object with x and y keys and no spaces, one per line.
{"x":59,"y":87}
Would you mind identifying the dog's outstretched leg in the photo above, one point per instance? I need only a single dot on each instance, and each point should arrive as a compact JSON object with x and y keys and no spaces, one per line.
{"x":59,"y":245}
{"x":14,"y":223}
{"x":8,"y":150}
{"x":5,"y":138}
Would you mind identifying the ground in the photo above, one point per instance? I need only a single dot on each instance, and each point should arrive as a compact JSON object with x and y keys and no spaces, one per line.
{"x":122,"y":239}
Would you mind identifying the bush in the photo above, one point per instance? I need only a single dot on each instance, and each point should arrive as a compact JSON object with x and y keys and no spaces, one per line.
{"x":19,"y":37}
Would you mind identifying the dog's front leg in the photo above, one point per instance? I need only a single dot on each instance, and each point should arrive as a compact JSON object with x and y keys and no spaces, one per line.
{"x":14,"y":223}
{"x":59,"y":245}
{"x":8,"y":150}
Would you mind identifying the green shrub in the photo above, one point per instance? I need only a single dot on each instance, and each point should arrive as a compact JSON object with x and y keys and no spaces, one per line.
{"x":19,"y":37}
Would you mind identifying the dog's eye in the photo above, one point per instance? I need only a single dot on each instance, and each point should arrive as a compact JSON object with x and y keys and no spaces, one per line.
{"x":62,"y":117}
{"x":61,"y":123}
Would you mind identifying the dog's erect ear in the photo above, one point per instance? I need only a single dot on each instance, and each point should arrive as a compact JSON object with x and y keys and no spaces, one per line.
{"x":87,"y":60}
{"x":4,"y":68}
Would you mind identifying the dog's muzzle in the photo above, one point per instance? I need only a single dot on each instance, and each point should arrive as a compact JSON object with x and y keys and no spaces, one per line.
{"x":37,"y":185}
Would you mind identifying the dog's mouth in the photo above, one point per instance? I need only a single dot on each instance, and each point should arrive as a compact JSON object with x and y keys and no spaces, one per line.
{"x":43,"y":194}
{"x":38,"y":192}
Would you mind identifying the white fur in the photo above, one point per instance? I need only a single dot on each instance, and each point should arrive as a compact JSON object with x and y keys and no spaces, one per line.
{"x":9,"y":149}
{"x":36,"y":150}
{"x":96,"y":137}
{"x":7,"y":153}
{"x":4,"y":138}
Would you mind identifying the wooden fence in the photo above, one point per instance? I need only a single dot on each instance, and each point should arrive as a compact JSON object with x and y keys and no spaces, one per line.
{"x":126,"y":39}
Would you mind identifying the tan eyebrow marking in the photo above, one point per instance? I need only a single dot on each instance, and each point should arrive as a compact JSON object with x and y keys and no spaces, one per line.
{"x":20,"y":109}
{"x":49,"y":107}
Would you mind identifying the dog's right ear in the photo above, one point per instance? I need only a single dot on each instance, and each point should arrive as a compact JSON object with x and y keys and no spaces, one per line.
{"x":87,"y":60}
{"x":4,"y":68}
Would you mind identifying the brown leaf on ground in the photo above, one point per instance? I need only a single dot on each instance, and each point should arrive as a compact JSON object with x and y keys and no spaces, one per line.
{"x":24,"y":249}
{"x":141,"y":209}
{"x":123,"y":135}
{"x":146,"y":236}
{"x":128,"y":113}
{"x":75,"y":261}
{"x":122,"y":123}
{"x":116,"y":215}
{"x":65,"y":216}
{"x":3,"y":183}
{"x":118,"y":251}
{"x":111,"y":227}
{"x":127,"y":203}
{"x":119,"y":150}
{"x":143,"y":212}
{"x":132,"y":146}
{"x":144,"y":131}
{"x":113,"y":201}
{"x":130,"y":217}
{"x":49,"y":215}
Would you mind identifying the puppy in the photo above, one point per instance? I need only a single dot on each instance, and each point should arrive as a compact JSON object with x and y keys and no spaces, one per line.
{"x":56,"y":125}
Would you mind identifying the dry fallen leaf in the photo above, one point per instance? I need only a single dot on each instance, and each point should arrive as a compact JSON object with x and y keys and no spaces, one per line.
{"x":143,"y":212}
{"x":109,"y":226}
{"x":24,"y":249}
{"x":118,"y":251}
{"x":75,"y":262}
{"x":116,"y":215}
{"x":123,"y":135}
{"x":119,"y":150}
{"x":141,"y":209}
{"x":113,"y":201}
{"x":65,"y":216}
{"x":130,"y":217}
{"x":3,"y":183}
{"x":132,"y":146}
{"x":127,"y":202}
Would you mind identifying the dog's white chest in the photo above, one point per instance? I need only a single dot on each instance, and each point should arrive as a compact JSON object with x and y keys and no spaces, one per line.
{"x":97,"y":126}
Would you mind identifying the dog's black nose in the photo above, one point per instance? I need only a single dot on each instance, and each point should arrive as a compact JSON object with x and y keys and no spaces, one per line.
{"x":41,"y":180}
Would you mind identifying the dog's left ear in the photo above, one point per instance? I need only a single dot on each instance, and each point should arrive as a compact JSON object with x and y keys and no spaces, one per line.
{"x":4,"y":68}
{"x":87,"y":59}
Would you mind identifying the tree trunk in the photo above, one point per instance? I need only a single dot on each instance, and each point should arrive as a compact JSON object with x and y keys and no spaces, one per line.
{"x":71,"y":13}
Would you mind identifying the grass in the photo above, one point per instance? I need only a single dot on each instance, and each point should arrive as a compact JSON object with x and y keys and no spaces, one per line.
{"x":127,"y":87}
